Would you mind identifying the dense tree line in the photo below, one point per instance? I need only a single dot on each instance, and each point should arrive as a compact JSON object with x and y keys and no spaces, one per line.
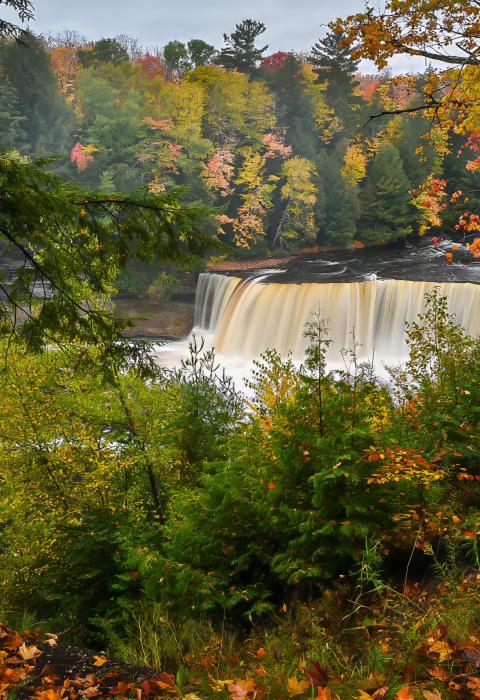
{"x":281,"y":146}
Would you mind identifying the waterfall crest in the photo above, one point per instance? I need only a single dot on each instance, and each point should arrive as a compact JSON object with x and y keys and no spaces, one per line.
{"x":245,"y":317}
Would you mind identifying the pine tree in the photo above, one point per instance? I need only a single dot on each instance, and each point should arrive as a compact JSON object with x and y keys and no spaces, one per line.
{"x":387,"y":214}
{"x":341,"y":204}
{"x":240,"y":52}
{"x":333,"y":63}
{"x":47,"y":118}
{"x":12,"y":122}
{"x":293,"y":105}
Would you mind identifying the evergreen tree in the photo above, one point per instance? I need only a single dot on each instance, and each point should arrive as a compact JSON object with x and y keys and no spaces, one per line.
{"x":341,"y":204}
{"x":387,"y":214}
{"x":240,"y":52}
{"x":333,"y":63}
{"x":47,"y":118}
{"x":293,"y":105}
{"x":12,"y":122}
{"x":24,"y":11}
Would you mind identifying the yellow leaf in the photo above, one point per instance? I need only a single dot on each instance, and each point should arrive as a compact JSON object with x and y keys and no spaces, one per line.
{"x":218,"y":685}
{"x":99,"y":660}
{"x":28,"y":652}
{"x":441,"y":648}
{"x":296,"y":687}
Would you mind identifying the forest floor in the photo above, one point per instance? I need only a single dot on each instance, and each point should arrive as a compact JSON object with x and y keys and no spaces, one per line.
{"x":411,"y":645}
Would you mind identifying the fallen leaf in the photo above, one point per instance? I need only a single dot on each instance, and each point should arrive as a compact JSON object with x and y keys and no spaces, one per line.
{"x":51,"y":694}
{"x":439,"y":673}
{"x":473,"y":683}
{"x":404,"y":694}
{"x":165,"y":681}
{"x":91,"y":692}
{"x":218,"y":685}
{"x":296,"y":687}
{"x":28,"y":652}
{"x":14,"y":642}
{"x":379,"y":693}
{"x":99,"y":660}
{"x":323,"y":694}
{"x":441,"y":648}
{"x":260,"y":652}
{"x":243,"y":689}
{"x":431,"y":695}
{"x":261,"y":671}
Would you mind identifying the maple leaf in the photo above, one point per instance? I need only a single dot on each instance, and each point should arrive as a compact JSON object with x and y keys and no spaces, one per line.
{"x":296,"y":687}
{"x":243,"y":689}
{"x":439,"y":673}
{"x":50,"y":694}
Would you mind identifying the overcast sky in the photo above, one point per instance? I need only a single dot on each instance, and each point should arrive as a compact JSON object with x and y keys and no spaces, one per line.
{"x":291,"y":24}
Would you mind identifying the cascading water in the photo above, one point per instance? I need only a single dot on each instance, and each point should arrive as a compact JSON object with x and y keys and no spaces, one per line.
{"x":245,"y":317}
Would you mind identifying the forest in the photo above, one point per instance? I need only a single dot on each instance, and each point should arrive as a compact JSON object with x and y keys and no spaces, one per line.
{"x":281,"y":147}
{"x":164,"y":533}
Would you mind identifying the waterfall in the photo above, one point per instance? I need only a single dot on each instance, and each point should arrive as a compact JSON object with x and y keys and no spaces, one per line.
{"x":245,"y":317}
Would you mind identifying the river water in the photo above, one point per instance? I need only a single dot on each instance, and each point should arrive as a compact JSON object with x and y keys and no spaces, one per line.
{"x":365,"y":296}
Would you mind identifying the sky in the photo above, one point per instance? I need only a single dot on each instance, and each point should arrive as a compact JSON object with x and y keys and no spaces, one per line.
{"x":291,"y":24}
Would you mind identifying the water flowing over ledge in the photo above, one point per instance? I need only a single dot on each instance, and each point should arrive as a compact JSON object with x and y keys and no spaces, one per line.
{"x":242,"y":318}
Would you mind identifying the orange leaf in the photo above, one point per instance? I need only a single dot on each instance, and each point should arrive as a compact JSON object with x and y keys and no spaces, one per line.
{"x":439,"y":673}
{"x":99,"y":660}
{"x":242,"y":689}
{"x":404,"y":694}
{"x":323,"y":694}
{"x":260,"y":652}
